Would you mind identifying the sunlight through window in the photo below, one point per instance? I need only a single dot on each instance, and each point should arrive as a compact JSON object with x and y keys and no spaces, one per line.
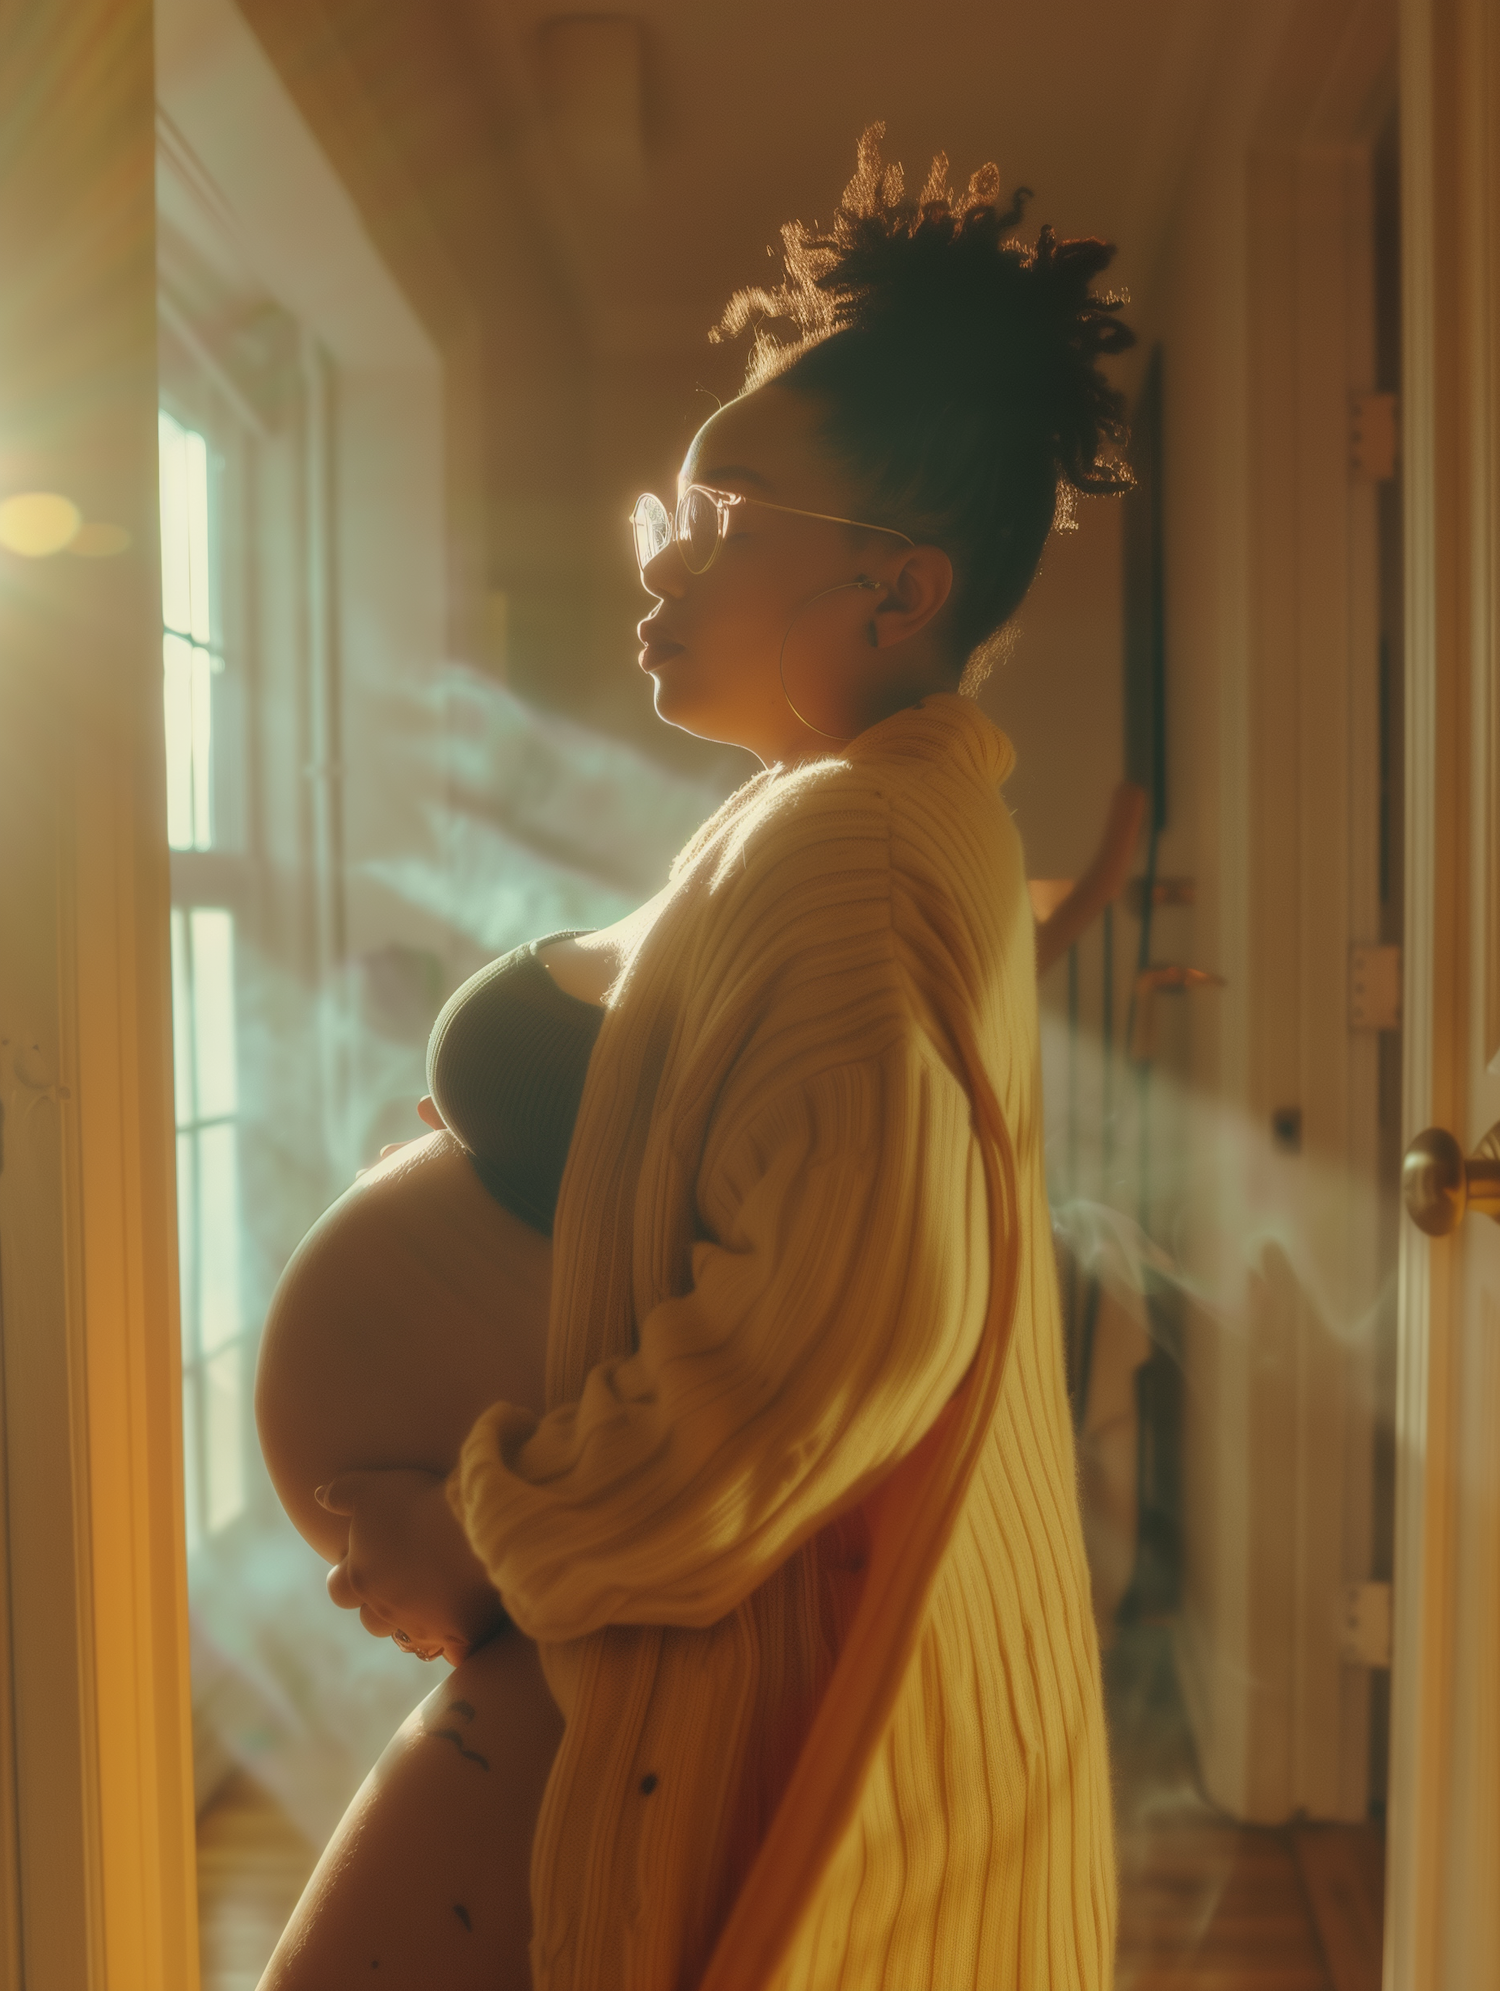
{"x":208,"y":1215}
{"x":189,"y":656}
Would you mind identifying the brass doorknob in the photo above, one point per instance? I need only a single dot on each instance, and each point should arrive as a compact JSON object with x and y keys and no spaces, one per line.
{"x":1440,"y":1186}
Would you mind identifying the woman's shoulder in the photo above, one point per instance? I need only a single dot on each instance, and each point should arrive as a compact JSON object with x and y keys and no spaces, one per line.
{"x":896,"y":796}
{"x":904,"y":833}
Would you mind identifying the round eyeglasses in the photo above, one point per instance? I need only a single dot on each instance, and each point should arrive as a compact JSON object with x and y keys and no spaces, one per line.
{"x":701,"y":521}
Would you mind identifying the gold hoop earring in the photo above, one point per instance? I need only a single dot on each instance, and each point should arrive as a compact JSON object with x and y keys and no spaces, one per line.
{"x":861,"y":581}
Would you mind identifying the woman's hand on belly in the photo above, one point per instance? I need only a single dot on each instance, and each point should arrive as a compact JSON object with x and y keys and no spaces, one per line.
{"x":409,"y":1566}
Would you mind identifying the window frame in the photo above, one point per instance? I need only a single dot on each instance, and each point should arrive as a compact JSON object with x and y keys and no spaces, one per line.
{"x":216,"y":875}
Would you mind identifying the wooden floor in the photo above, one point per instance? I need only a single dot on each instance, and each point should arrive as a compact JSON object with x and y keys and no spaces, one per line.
{"x":1205,"y":1905}
{"x":252,"y":1865}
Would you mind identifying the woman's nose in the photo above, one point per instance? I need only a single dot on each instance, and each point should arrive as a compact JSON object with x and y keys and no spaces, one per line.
{"x":665,"y":575}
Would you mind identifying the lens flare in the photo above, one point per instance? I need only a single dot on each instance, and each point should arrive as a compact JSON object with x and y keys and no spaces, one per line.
{"x":37,"y":523}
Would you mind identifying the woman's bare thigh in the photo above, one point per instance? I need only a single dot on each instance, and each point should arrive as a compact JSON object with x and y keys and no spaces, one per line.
{"x":426,"y":1882}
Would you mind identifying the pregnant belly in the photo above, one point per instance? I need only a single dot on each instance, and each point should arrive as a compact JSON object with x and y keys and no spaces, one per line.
{"x":411,"y":1305}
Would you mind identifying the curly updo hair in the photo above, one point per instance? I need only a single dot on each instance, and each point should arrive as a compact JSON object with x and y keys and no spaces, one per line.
{"x":957,"y":368}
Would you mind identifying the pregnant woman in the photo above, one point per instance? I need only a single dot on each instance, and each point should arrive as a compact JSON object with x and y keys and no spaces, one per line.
{"x":745,"y":1509}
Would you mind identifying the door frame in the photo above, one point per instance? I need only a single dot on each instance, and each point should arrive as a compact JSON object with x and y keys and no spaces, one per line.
{"x":98,"y":1887}
{"x":1442,"y":1928}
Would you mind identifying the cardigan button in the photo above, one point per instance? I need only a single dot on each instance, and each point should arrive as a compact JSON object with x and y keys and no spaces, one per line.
{"x":648,"y":1783}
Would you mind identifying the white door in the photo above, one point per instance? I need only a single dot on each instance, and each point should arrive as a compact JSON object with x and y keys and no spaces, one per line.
{"x":1443,"y":1920}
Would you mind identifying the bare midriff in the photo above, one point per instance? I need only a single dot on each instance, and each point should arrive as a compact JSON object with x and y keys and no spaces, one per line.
{"x":413,"y":1304}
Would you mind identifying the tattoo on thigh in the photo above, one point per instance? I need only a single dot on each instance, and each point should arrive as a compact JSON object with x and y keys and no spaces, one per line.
{"x":465,"y":1714}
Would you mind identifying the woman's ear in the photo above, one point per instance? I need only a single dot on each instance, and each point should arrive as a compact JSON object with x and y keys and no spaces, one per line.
{"x":916,"y":591}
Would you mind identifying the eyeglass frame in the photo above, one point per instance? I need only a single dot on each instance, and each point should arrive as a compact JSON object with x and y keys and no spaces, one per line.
{"x":722,"y":502}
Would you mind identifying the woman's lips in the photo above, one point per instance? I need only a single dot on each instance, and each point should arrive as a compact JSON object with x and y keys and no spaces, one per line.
{"x":656,"y":648}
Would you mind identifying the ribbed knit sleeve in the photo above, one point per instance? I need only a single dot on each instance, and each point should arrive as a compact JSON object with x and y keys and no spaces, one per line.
{"x":832,"y":1310}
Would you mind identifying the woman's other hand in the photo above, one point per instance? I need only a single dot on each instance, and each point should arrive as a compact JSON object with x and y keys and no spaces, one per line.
{"x":408,"y":1569}
{"x":1101,"y":883}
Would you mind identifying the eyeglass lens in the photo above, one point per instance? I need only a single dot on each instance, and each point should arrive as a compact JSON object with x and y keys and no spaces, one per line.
{"x":652,"y":526}
{"x":697,"y":529}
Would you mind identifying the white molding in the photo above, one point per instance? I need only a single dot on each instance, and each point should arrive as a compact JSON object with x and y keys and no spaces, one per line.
{"x":182,"y":327}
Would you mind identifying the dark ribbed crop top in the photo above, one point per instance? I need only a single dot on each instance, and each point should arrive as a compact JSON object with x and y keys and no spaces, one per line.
{"x":505,"y":1066}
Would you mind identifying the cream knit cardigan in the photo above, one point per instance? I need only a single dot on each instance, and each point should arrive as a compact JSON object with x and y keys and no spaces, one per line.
{"x":797,"y":1535}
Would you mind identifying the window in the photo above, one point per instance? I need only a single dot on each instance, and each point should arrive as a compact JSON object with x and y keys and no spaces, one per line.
{"x":215,"y":1353}
{"x":190,"y":654}
{"x":302,"y":544}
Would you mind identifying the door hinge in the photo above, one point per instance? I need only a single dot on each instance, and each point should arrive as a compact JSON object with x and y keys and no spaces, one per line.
{"x":1375,"y":988}
{"x":1365,"y":1626}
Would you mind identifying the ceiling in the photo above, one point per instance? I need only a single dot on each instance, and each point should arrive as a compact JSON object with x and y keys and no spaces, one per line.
{"x":749,"y":117}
